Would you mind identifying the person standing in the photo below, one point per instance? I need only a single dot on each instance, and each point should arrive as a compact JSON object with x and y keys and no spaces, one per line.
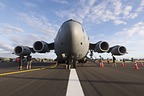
{"x":114,"y":63}
{"x":108,"y":60}
{"x":91,"y":54}
{"x":18,"y":61}
{"x":132,"y":60}
{"x":21,"y":62}
{"x":123,"y":60}
{"x":100,"y":61}
{"x":29,"y":62}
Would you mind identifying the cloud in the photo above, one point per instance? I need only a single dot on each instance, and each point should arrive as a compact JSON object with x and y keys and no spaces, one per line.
{"x":6,"y":47}
{"x":136,"y":30}
{"x":137,"y":11}
{"x":116,"y":11}
{"x":131,"y":38}
{"x":78,"y":12}
{"x":141,"y":7}
{"x":39,"y":22}
{"x":8,"y":29}
{"x":109,"y":11}
{"x":127,"y":10}
{"x":29,"y":39}
{"x":117,"y":22}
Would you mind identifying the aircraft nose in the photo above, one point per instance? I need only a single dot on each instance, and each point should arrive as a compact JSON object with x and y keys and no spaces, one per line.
{"x":71,"y":35}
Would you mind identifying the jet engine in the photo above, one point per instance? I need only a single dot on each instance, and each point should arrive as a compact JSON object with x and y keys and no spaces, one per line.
{"x":118,"y":50}
{"x":101,"y":47}
{"x":41,"y":47}
{"x":22,"y":50}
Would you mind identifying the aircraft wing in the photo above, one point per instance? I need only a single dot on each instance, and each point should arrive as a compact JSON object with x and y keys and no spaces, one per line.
{"x":103,"y":46}
{"x":38,"y":46}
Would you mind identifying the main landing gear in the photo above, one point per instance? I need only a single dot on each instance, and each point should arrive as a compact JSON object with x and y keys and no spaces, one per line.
{"x":71,"y":62}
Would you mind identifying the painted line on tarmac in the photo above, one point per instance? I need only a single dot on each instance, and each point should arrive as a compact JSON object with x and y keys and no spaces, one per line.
{"x":74,"y":87}
{"x":21,"y":71}
{"x":53,"y":66}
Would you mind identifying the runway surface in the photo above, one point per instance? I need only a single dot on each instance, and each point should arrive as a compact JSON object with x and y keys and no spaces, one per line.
{"x":44,"y":80}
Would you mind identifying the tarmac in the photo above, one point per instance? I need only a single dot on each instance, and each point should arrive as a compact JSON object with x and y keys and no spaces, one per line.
{"x":49,"y":79}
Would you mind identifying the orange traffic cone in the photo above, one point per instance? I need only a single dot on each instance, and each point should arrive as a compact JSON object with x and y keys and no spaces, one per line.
{"x":141,"y":64}
{"x":135,"y":65}
{"x":101,"y":65}
{"x":123,"y":64}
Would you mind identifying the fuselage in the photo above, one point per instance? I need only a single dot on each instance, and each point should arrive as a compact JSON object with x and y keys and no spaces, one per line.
{"x":71,"y":41}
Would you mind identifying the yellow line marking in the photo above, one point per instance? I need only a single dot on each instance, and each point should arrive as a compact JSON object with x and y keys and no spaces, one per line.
{"x":54,"y":66}
{"x":21,"y":71}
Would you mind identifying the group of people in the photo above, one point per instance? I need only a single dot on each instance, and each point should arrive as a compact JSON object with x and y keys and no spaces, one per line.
{"x":113,"y":60}
{"x":20,"y":61}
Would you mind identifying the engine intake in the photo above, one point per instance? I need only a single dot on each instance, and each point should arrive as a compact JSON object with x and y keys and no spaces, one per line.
{"x":118,"y":50}
{"x":101,"y":47}
{"x":41,"y":47}
{"x":22,"y":50}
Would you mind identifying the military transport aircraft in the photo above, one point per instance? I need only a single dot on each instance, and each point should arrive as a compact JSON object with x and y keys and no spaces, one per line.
{"x":71,"y":45}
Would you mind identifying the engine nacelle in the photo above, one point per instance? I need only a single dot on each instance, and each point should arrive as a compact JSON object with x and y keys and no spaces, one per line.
{"x":118,"y":50}
{"x":41,"y":47}
{"x":101,"y":47}
{"x":22,"y":50}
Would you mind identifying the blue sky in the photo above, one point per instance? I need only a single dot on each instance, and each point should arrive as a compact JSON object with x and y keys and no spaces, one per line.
{"x":22,"y":22}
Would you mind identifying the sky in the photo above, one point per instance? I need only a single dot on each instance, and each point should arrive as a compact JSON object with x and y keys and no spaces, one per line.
{"x":119,"y":22}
